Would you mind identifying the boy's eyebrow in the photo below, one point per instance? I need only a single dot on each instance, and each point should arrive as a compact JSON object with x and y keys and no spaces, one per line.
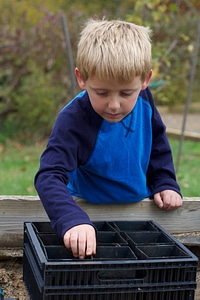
{"x":97,"y":88}
{"x":122,"y":90}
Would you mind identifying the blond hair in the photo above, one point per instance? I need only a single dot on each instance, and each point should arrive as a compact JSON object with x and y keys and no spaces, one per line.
{"x":115,"y":49}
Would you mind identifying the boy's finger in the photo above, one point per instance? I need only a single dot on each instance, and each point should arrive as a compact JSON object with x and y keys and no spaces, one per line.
{"x":158,"y":201}
{"x":73,"y":244}
{"x":91,"y":247}
{"x":82,"y":247}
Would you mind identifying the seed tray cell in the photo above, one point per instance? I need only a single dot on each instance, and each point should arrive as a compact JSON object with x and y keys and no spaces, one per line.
{"x":116,"y":253}
{"x":110,"y":238}
{"x":148,"y":238}
{"x":42,"y":227}
{"x":50,"y":239}
{"x":57,"y":253}
{"x":103,"y":226}
{"x":140,"y":226}
{"x":160,"y":251}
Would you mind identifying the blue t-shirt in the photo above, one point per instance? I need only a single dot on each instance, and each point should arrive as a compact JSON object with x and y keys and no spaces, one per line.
{"x":116,"y":168}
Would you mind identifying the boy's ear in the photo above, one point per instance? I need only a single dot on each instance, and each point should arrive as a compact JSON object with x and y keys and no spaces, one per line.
{"x":147,"y":80}
{"x":79,"y":79}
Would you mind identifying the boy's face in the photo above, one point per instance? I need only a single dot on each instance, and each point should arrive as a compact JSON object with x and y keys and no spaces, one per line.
{"x":110,"y":99}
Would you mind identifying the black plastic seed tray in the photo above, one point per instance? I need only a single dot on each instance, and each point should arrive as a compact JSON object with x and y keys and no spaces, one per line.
{"x":134,"y":260}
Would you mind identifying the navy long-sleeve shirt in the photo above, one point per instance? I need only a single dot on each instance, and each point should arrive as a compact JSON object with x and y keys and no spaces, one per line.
{"x":103,"y":162}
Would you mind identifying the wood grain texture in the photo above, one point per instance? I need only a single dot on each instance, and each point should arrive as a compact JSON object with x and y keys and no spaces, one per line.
{"x":15,"y":210}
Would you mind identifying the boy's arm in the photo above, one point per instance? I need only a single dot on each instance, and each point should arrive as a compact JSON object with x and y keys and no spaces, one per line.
{"x":62,"y":210}
{"x":67,"y":218}
{"x":69,"y":145}
{"x":161,"y":173}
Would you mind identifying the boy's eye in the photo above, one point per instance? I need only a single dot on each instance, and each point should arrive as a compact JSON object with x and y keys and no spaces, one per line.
{"x":126,"y":94}
{"x":102,"y":93}
{"x":121,"y":93}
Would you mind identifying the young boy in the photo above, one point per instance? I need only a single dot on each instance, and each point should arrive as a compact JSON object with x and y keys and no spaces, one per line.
{"x":109,"y":144}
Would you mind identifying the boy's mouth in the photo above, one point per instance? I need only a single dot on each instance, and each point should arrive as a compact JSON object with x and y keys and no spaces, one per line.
{"x":113,"y":115}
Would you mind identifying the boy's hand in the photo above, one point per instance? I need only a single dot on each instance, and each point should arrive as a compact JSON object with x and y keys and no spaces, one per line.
{"x":168,"y":200}
{"x":81,"y":240}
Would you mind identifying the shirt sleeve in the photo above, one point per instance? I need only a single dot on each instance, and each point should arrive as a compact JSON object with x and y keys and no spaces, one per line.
{"x":161,"y":173}
{"x":70,"y":144}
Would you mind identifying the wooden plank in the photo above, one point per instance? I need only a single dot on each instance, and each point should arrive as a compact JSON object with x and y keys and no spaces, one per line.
{"x":189,"y":239}
{"x":184,"y":219}
{"x":15,"y":210}
{"x":188,"y":135}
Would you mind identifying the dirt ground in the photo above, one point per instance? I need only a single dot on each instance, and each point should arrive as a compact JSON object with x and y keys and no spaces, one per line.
{"x":11,"y":275}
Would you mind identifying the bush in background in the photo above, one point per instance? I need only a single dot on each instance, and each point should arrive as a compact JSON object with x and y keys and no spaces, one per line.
{"x":174,"y":25}
{"x":34,"y":77}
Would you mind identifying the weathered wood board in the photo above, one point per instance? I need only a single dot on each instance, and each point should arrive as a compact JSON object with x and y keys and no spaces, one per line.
{"x":15,"y":210}
{"x":188,"y":135}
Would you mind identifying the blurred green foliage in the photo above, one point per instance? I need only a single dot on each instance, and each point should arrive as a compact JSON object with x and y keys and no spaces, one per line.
{"x":34,"y":71}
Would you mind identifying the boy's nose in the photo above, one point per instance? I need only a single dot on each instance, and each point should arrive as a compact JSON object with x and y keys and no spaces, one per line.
{"x":114,"y":103}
